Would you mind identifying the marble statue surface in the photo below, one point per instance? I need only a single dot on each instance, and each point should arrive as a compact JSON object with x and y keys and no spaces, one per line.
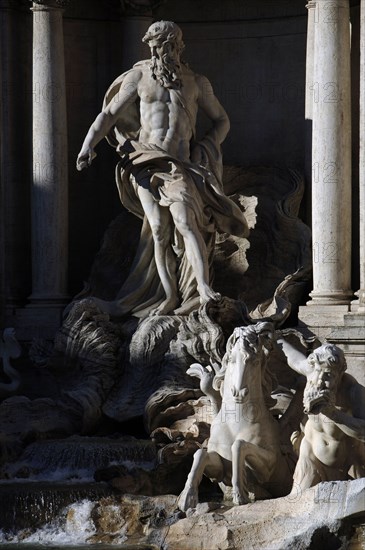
{"x":331,"y":442}
{"x":128,"y":341}
{"x":167,"y":177}
{"x":244,"y":435}
{"x":212,"y":376}
{"x":246,"y":441}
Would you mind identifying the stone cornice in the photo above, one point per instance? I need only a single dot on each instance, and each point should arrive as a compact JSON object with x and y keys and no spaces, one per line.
{"x":139,"y":7}
{"x":51,"y":4}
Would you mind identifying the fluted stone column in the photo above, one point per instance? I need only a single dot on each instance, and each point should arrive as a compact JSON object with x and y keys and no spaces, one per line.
{"x":49,"y":192}
{"x":331,"y":156}
{"x":361,"y":292}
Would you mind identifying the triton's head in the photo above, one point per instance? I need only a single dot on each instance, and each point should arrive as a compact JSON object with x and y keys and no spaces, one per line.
{"x":327,"y":364}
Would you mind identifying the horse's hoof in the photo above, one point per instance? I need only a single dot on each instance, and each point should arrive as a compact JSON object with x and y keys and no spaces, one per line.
{"x":187,"y":499}
{"x":239,"y":499}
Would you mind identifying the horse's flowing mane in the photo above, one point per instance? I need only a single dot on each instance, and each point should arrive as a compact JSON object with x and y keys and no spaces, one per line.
{"x":250,"y":341}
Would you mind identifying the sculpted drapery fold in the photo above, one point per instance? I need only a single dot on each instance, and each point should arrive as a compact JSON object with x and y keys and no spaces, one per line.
{"x":170,"y":180}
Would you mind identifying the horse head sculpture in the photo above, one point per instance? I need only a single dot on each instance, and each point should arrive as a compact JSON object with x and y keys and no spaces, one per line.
{"x":244,"y":438}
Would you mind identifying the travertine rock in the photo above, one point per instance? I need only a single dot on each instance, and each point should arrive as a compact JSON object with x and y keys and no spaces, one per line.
{"x":280,"y":524}
{"x":319,"y":517}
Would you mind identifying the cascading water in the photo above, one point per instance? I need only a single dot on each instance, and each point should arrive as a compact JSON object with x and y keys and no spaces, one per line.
{"x":79,"y":457}
{"x":34,"y":504}
{"x":49,"y":493}
{"x":73,"y":527}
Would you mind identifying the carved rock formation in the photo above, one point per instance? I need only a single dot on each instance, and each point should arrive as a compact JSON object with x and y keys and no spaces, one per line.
{"x":323,"y":516}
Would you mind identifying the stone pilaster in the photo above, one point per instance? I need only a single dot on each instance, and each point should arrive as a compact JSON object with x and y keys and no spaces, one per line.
{"x":309,"y":89}
{"x":361,"y":292}
{"x":49,"y":191}
{"x":4,"y":67}
{"x":331,"y":156}
{"x":327,"y":314}
{"x":311,"y":7}
{"x":351,"y":335}
{"x":15,"y":113}
{"x":49,"y":201}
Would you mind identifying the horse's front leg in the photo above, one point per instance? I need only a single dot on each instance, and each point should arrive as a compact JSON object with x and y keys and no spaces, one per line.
{"x":202,"y":461}
{"x":259,"y":460}
{"x":239,"y":474}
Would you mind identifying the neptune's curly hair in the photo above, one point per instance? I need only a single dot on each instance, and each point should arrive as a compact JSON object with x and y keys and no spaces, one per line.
{"x":166,"y":31}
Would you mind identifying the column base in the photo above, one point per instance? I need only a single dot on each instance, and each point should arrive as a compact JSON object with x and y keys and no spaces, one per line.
{"x":335,"y":324}
{"x":48,"y":301}
{"x":330,"y":298}
{"x":351,"y":338}
{"x":358,"y":306}
{"x":321,"y":319}
{"x":13,"y":302}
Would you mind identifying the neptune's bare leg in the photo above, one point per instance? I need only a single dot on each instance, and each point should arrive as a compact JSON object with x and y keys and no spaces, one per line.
{"x":160,"y":222}
{"x":196,"y":251}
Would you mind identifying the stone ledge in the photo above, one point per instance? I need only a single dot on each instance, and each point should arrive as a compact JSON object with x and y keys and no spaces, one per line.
{"x":278,"y":524}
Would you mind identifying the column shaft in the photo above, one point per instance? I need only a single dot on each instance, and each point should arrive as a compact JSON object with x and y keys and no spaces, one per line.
{"x":49,"y":193}
{"x":361,"y":292}
{"x":331,"y":155}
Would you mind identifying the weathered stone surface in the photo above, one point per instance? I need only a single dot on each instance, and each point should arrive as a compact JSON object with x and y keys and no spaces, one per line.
{"x":248,"y":270}
{"x":318,"y":517}
{"x":245,"y":438}
{"x":288,"y":522}
{"x":278,"y":242}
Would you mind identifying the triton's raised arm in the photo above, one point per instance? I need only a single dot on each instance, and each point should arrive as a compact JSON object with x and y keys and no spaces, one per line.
{"x":296,"y":359}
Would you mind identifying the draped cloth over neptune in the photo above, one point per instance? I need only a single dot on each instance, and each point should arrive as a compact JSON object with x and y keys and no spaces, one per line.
{"x":169,"y":180}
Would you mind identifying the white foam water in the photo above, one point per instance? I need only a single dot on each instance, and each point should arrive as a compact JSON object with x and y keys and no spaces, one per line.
{"x":73,"y":527}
